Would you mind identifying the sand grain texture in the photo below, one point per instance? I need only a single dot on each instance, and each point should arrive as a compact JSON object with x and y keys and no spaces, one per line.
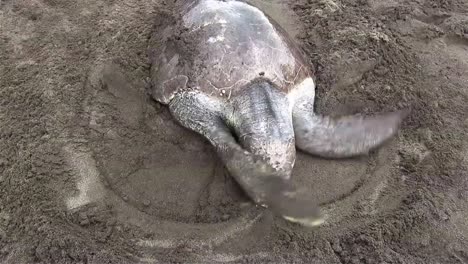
{"x":93,"y":171}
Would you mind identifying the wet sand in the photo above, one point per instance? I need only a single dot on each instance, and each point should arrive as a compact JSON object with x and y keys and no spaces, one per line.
{"x":93,"y":171}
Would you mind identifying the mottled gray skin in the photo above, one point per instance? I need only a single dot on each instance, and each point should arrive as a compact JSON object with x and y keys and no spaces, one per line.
{"x":234,"y":76}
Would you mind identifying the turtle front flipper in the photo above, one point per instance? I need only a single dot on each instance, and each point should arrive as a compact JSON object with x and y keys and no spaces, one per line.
{"x":346,"y":136}
{"x":262,"y":183}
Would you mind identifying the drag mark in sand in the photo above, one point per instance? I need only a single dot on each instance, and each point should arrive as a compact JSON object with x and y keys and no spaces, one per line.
{"x":221,"y":233}
{"x":88,"y":184}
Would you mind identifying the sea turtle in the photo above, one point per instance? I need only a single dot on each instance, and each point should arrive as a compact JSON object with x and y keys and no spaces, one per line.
{"x":227,"y":71}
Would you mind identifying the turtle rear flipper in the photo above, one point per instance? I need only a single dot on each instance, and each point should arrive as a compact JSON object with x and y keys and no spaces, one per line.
{"x":205,"y":115}
{"x":293,"y":204}
{"x":262,"y":183}
{"x":346,"y":136}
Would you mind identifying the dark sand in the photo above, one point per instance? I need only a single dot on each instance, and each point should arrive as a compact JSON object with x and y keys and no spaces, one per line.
{"x":93,"y":171}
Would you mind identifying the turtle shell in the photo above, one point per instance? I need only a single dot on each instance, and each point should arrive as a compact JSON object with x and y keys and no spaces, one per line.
{"x":218,"y":47}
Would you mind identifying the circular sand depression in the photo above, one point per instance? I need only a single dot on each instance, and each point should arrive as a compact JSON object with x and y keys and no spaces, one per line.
{"x":169,"y":173}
